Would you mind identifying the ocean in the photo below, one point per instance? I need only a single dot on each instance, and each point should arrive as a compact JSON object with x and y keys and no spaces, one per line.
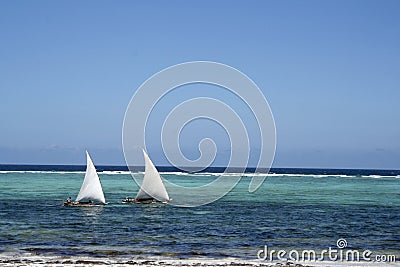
{"x":294,"y":209}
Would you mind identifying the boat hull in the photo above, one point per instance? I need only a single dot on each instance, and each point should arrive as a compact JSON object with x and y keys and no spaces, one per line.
{"x":81,"y":204}
{"x":142,"y":201}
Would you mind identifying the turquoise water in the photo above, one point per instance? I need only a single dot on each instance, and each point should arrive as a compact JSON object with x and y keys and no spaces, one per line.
{"x":287,"y":212}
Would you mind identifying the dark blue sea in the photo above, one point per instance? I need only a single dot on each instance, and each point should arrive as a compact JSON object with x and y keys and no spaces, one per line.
{"x":293,"y":209}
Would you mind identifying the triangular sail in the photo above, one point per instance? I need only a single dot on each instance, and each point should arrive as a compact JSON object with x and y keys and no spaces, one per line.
{"x":152,"y":186}
{"x":91,"y":187}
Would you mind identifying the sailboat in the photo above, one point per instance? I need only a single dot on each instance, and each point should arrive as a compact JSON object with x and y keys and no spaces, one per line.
{"x":91,"y":193}
{"x":152,"y":189}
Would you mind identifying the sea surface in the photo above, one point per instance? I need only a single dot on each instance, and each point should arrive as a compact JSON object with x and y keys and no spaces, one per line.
{"x":293,"y":209}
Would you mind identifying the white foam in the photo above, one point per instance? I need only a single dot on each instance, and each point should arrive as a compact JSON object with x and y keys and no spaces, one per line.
{"x":217,"y":174}
{"x":347,"y":264}
{"x":114,"y":172}
{"x":42,"y":172}
{"x":70,"y":261}
{"x":230,"y":174}
{"x":380,"y":176}
{"x":331,"y":176}
{"x":176,"y":173}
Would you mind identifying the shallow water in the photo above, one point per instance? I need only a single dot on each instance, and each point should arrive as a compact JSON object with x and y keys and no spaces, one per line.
{"x":287,"y":212}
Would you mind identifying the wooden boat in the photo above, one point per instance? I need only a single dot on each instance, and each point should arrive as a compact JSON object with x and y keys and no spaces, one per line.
{"x":91,"y":193}
{"x":152,"y":189}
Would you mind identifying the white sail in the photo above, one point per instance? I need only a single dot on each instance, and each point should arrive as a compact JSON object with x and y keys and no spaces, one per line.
{"x":91,"y":187}
{"x":152,"y":186}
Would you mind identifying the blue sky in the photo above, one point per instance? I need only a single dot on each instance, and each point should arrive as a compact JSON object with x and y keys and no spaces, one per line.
{"x":329,"y":69}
